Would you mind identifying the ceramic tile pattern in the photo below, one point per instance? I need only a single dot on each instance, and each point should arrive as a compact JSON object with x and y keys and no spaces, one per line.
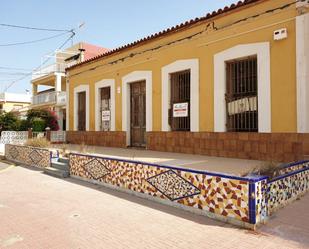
{"x":28,"y":155}
{"x":260,"y":200}
{"x":286,"y":189}
{"x":292,"y":168}
{"x":218,"y":195}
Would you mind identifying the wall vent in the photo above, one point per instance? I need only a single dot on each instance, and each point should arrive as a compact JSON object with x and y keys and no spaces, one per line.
{"x":280,"y":34}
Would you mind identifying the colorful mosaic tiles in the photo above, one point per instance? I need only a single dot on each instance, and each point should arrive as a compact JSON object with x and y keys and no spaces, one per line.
{"x":287,"y":188}
{"x":293,"y":167}
{"x":260,"y":201}
{"x":173,"y":186}
{"x":28,"y":155}
{"x":223,"y":196}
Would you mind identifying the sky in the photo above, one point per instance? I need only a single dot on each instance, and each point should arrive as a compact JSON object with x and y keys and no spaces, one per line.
{"x":108,"y":24}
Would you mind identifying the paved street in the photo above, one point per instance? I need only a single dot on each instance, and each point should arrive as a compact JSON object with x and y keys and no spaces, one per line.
{"x":39,"y":211}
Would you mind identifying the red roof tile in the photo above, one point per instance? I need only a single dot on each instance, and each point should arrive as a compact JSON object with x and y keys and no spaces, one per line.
{"x":169,"y":30}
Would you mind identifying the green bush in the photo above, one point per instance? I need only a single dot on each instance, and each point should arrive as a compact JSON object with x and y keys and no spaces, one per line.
{"x":48,"y":116}
{"x":9,"y":122}
{"x":23,"y":125}
{"x":38,"y":124}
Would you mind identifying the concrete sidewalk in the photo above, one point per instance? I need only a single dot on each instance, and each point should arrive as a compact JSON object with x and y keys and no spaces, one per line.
{"x":233,"y":166}
{"x":39,"y":211}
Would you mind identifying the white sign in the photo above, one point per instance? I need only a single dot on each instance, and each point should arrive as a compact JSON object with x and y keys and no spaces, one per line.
{"x":180,"y":110}
{"x":106,"y":115}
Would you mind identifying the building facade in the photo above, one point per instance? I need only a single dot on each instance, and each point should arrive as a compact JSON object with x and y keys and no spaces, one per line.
{"x":14,"y":102}
{"x":234,"y":83}
{"x":53,"y":80}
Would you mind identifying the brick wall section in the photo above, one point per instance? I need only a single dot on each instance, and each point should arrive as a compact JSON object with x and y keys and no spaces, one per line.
{"x":98,"y":138}
{"x":281,"y":147}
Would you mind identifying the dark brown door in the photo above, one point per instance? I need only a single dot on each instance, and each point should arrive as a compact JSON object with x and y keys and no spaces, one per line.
{"x":138,"y":114}
{"x":82,"y":111}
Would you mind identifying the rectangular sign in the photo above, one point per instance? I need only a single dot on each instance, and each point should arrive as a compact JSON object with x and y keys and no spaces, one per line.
{"x":180,"y":110}
{"x":106,"y":115}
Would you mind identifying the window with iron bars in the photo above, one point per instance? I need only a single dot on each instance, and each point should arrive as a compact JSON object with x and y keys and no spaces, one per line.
{"x":105,"y":103}
{"x":242,"y":95}
{"x":179,"y":112}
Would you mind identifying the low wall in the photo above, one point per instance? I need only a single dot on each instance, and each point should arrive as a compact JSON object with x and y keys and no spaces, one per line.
{"x":221,"y":196}
{"x":287,"y":187}
{"x":98,"y":138}
{"x":27,"y":155}
{"x":280,"y":147}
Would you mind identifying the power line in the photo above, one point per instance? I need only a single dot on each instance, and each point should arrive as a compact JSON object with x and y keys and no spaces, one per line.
{"x":15,"y":68}
{"x":43,"y":63}
{"x":209,"y":26}
{"x":34,"y":41}
{"x":33,"y":28}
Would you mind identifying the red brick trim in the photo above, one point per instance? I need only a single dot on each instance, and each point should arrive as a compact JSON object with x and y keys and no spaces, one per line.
{"x":97,"y":138}
{"x":281,"y":147}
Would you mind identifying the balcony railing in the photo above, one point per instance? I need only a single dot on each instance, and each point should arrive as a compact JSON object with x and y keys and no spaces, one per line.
{"x":58,"y":98}
{"x":53,"y":68}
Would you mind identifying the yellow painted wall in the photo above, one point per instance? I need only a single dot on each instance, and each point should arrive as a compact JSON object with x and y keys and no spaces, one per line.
{"x":204,"y":47}
{"x":9,"y":106}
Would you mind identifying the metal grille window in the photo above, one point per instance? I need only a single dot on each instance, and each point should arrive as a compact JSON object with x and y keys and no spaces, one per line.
{"x":82,"y":111}
{"x":179,"y":112}
{"x":105,"y":103}
{"x":241,"y":95}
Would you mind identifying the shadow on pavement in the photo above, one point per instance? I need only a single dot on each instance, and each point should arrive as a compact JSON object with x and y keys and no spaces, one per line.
{"x":291,"y":222}
{"x":152,"y":204}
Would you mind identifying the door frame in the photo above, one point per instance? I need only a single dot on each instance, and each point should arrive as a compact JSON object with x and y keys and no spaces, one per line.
{"x":98,"y":85}
{"x":141,"y":143}
{"x":126,"y":97}
{"x":77,"y":90}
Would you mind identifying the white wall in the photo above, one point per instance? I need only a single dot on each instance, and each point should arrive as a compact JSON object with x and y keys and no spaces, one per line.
{"x":302,"y":70}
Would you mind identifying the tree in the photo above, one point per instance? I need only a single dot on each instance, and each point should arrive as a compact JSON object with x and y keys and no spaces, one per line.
{"x":47,"y":119}
{"x":9,"y":122}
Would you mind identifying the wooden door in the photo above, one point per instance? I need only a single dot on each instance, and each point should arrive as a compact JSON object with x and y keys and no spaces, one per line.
{"x":82,"y":111}
{"x":138,"y":114}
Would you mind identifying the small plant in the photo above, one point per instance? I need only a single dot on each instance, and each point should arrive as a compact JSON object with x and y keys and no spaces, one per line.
{"x":266,"y":169}
{"x":38,"y":124}
{"x":63,"y":150}
{"x":38,"y":142}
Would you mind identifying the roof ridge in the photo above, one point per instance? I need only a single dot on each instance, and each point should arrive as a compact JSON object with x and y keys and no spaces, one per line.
{"x":190,"y":22}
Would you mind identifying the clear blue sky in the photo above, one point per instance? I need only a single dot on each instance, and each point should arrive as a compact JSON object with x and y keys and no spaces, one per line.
{"x":107,"y":23}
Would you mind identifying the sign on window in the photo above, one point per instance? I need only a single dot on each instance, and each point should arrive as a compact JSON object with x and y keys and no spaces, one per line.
{"x":106,"y":115}
{"x":180,"y":110}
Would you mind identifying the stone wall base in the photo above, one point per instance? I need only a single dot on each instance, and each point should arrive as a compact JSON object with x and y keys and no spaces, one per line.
{"x":97,"y":138}
{"x":279,"y":147}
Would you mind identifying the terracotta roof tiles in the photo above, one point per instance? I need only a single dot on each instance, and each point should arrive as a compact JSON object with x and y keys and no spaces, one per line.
{"x":169,"y":30}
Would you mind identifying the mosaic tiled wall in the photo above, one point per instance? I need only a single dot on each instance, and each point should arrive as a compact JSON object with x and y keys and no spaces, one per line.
{"x":28,"y":155}
{"x":260,"y":201}
{"x":293,"y":167}
{"x":287,"y":188}
{"x":221,"y":195}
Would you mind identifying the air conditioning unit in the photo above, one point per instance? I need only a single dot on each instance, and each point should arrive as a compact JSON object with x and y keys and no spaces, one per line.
{"x":280,"y":34}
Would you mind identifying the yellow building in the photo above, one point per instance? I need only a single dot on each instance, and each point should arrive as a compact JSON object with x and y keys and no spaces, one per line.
{"x":227,"y":84}
{"x":14,"y":102}
{"x":52,"y":81}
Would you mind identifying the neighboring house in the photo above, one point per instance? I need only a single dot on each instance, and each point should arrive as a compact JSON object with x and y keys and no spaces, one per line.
{"x":53,"y":79}
{"x":234,"y":83}
{"x":14,"y":102}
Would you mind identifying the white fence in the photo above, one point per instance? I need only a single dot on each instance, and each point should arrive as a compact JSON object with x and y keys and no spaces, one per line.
{"x":14,"y":137}
{"x":58,"y":136}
